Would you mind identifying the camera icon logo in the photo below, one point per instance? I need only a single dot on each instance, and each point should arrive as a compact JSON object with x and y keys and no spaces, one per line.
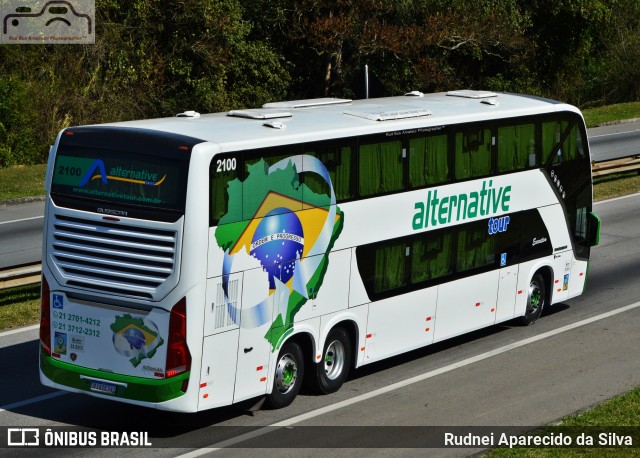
{"x":53,"y":22}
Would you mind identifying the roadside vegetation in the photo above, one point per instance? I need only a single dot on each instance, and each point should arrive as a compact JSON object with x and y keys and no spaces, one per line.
{"x":21,"y":181}
{"x":155,"y":58}
{"x":621,"y":411}
{"x":19,"y":306}
{"x":616,"y":185}
{"x":611,"y":113}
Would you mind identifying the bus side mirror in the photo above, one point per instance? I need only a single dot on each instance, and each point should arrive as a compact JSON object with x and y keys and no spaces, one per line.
{"x":593,"y":229}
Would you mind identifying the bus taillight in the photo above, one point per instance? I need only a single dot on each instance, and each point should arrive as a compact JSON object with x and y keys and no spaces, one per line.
{"x":45,"y":318}
{"x":178,"y":356}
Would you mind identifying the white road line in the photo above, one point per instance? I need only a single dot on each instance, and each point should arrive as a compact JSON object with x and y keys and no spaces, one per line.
{"x":614,"y":133}
{"x":404,"y":383}
{"x":19,"y":330}
{"x":35,"y":400}
{"x":617,"y":198}
{"x":20,"y":220}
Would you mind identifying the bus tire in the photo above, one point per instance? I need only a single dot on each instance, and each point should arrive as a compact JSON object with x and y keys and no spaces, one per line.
{"x":536,"y":298}
{"x":333,"y":368}
{"x":287,"y":377}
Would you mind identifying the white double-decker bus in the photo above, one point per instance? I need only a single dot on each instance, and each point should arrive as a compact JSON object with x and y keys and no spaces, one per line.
{"x":198,"y":261}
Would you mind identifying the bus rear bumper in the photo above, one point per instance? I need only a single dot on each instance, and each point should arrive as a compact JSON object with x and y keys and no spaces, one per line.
{"x":106,"y":385}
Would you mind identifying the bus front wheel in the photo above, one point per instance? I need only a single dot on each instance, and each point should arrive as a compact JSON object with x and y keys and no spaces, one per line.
{"x":333,"y":368}
{"x":288,"y":376}
{"x":536,"y":296}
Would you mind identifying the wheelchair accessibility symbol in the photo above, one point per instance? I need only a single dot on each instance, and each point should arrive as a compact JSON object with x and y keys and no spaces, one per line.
{"x":56,"y":21}
{"x":58,"y":301}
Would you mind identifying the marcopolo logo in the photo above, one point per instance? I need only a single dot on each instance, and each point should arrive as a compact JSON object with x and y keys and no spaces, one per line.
{"x":50,"y":22}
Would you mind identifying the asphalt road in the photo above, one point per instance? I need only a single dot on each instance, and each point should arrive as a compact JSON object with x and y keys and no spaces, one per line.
{"x":578,"y":354}
{"x":21,"y":234}
{"x":617,"y":140}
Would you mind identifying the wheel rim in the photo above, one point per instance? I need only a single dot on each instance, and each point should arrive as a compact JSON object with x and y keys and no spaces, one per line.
{"x":535,"y":298}
{"x":334,"y":360}
{"x":286,"y":374}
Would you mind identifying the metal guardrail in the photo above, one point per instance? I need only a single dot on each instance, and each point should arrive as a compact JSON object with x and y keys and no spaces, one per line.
{"x":26,"y":274}
{"x":624,"y":164}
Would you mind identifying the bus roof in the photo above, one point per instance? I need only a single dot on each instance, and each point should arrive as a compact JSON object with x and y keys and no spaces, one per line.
{"x":311,"y":120}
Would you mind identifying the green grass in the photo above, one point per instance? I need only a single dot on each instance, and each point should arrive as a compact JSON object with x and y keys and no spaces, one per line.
{"x":621,"y":411}
{"x":19,"y":306}
{"x":22,"y":181}
{"x":616,"y":185}
{"x":611,"y":113}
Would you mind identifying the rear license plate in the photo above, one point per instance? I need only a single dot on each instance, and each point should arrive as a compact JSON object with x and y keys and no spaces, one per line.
{"x":103,"y":387}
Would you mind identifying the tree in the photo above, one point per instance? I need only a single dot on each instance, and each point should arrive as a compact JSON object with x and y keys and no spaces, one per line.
{"x":151,"y":58}
{"x":426,"y":44}
{"x":568,"y":35}
{"x":622,"y":55}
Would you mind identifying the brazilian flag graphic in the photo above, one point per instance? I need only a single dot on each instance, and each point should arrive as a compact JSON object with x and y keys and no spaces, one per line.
{"x":289,"y":229}
{"x":135,"y":338}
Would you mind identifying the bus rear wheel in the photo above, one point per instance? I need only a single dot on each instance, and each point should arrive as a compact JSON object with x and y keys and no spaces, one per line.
{"x":287,"y":377}
{"x":536,"y":295}
{"x":333,"y":368}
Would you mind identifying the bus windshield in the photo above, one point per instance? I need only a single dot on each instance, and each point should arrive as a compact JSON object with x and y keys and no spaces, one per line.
{"x":120,"y":177}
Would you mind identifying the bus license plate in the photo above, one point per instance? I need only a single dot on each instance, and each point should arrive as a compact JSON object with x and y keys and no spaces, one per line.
{"x":103,"y":387}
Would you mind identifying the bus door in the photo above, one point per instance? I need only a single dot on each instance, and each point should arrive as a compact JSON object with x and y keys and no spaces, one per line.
{"x":220,"y":346}
{"x":254,"y":350}
{"x":469,"y":302}
{"x":507,"y":289}
{"x":397,"y":325}
{"x":561,"y":275}
{"x":466,"y":304}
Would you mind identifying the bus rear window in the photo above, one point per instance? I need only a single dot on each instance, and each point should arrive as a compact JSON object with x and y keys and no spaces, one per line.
{"x":121,"y":178}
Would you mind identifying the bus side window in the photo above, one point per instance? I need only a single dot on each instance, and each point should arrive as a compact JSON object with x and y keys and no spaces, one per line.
{"x":473,"y":153}
{"x":516,"y":147}
{"x":508,"y":238}
{"x":383,"y":266}
{"x":579,"y":213}
{"x":551,"y":134}
{"x":225,"y":171}
{"x":381,"y":168}
{"x":428,"y":160}
{"x":475,"y":247}
{"x":431,"y":257}
{"x":338,"y":160}
{"x":572,"y":146}
{"x":389,"y":267}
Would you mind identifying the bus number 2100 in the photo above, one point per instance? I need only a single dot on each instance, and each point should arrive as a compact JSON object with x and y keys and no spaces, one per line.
{"x":226,"y":165}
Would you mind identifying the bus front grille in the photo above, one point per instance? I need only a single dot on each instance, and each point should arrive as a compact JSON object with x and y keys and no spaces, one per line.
{"x":114,"y":258}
